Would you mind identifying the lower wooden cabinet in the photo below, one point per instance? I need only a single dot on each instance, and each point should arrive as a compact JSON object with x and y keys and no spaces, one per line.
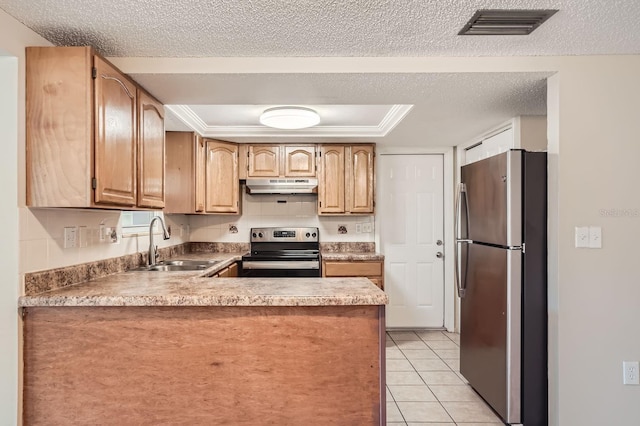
{"x":374,"y":270}
{"x":230,"y":271}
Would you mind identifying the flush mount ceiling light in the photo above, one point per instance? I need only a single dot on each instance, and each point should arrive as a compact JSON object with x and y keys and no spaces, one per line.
{"x":289,"y":117}
{"x":505,"y":22}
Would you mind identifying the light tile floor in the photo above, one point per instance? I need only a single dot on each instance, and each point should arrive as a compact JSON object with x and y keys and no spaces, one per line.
{"x":424,"y":384}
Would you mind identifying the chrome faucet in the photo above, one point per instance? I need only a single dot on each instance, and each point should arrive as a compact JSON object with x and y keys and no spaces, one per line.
{"x":153,"y":249}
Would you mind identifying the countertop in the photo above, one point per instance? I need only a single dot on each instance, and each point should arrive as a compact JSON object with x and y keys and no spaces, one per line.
{"x":197,"y":288}
{"x":352,"y":256}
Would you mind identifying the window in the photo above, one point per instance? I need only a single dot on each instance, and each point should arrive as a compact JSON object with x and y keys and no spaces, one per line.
{"x":136,"y":222}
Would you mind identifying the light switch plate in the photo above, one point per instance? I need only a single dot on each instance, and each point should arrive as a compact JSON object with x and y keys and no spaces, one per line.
{"x":582,"y":236}
{"x":595,"y":237}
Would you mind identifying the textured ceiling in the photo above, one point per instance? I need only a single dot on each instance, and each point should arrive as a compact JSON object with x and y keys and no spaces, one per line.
{"x":448,"y":108}
{"x":324,"y":27}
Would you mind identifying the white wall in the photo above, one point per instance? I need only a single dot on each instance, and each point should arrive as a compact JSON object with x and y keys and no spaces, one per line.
{"x":595,"y":294}
{"x":13,"y":38}
{"x":265,"y":210}
{"x":8,"y":249}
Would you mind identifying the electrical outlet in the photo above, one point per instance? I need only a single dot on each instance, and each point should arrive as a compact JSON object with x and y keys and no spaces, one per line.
{"x":70,"y":236}
{"x":102,"y":233}
{"x":630,"y":371}
{"x":367,"y":227}
{"x":358,"y":228}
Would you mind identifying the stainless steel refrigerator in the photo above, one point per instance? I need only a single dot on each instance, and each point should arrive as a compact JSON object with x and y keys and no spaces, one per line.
{"x":501,"y":273}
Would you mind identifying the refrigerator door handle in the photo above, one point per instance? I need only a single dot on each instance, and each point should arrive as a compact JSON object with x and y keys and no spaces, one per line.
{"x":462,"y":193}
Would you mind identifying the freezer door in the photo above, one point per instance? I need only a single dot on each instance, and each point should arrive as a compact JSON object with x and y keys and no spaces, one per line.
{"x":490,"y":329}
{"x":494,"y":199}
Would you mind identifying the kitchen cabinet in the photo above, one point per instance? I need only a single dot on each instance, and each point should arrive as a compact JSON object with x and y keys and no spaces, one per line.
{"x":94,"y":138}
{"x":222,"y":186}
{"x":522,"y":132}
{"x":331,"y":179}
{"x":230,"y":271}
{"x":151,"y":151}
{"x":346,"y":182}
{"x":374,"y":270}
{"x":202,"y":175}
{"x":281,"y":161}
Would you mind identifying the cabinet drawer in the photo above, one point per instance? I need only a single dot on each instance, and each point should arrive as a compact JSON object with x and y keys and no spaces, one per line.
{"x":352,"y":269}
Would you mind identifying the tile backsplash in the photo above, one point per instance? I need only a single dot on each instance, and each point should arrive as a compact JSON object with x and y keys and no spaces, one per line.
{"x":279,"y":210}
{"x":42,"y":230}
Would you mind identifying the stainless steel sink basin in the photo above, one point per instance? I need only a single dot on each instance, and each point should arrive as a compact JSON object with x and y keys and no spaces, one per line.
{"x":207,"y":263}
{"x":178,"y":265}
{"x":169,"y":268}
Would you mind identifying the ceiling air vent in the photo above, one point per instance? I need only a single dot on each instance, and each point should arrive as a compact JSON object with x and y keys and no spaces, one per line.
{"x":505,"y":22}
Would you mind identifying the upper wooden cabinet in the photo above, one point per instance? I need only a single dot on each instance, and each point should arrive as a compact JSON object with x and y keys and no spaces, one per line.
{"x":360,"y":179}
{"x":151,"y":151}
{"x":299,"y":161}
{"x":85,"y":120}
{"x":222,"y":185}
{"x":331,"y":179}
{"x":202,"y":175}
{"x":281,"y":160}
{"x":264,"y":161}
{"x":346,"y":182}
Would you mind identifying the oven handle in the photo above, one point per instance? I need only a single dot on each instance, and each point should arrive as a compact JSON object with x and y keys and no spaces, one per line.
{"x":289,"y":264}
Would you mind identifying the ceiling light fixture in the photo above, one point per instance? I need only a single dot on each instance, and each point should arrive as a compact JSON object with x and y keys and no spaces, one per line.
{"x":289,"y":117}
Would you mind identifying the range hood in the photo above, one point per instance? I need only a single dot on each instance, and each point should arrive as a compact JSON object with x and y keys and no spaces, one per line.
{"x":282,"y":186}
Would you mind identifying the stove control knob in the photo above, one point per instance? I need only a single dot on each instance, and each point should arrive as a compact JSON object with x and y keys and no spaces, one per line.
{"x":313,"y":235}
{"x":254,"y":235}
{"x":260,"y":234}
{"x":307,"y":235}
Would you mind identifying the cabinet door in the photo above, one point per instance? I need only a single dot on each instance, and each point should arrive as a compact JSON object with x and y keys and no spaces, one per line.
{"x":151,"y":152}
{"x":200,"y":159}
{"x":115,"y":136}
{"x":331,"y":180}
{"x":222,"y":185}
{"x":299,"y":161}
{"x":264,"y":161}
{"x":360,"y":179}
{"x":179,"y":172}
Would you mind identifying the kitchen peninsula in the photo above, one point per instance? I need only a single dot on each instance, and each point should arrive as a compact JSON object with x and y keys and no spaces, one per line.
{"x":185,"y":348}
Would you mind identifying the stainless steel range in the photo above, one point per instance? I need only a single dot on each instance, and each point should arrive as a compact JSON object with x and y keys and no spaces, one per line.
{"x":282,"y":252}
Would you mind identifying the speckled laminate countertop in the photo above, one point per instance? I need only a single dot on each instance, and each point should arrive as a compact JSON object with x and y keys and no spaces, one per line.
{"x":197,"y":288}
{"x":352,"y":256}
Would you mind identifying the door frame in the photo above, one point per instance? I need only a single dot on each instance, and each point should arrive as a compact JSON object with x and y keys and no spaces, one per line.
{"x":448,"y":167}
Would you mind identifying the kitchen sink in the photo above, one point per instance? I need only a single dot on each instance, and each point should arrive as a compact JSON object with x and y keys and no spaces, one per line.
{"x":178,"y":265}
{"x":206,"y":263}
{"x":169,"y":268}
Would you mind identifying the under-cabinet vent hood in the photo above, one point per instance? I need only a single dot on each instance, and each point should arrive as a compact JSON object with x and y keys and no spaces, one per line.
{"x":282,"y":186}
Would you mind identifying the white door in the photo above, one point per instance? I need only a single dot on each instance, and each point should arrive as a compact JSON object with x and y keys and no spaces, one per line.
{"x":410,"y":194}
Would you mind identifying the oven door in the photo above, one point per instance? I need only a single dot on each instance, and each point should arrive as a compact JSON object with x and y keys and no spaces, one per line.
{"x":280,"y":268}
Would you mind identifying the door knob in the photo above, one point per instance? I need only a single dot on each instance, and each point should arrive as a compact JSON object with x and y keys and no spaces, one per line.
{"x":439,"y":242}
{"x":439,"y":255}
